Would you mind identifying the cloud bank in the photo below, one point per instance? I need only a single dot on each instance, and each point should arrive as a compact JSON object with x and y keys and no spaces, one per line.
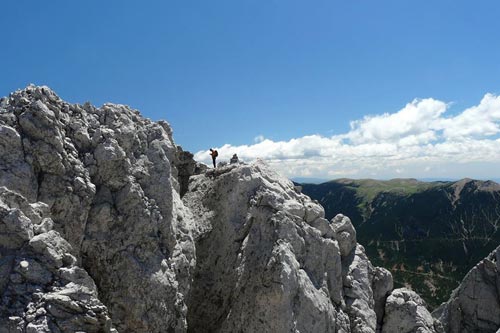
{"x":419,"y":141}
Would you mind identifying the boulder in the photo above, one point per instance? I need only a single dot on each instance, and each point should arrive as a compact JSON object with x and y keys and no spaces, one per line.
{"x":405,"y":312}
{"x":344,"y":233}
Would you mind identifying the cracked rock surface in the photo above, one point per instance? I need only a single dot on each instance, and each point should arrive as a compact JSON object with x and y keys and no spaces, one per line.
{"x":475,"y":305}
{"x":106,"y":179}
{"x":268,"y":261}
{"x":43,"y":289}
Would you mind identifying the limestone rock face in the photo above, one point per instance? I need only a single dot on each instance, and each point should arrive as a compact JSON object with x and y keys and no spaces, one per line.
{"x":260,"y":266}
{"x":405,"y":312}
{"x":358,"y":274}
{"x":345,"y":233}
{"x":107,"y":179}
{"x":267,"y":260}
{"x":475,"y":305}
{"x":42,"y":287}
{"x":382,"y":286}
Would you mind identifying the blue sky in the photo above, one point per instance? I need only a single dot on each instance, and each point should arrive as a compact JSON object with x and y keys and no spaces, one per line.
{"x":226,"y":72}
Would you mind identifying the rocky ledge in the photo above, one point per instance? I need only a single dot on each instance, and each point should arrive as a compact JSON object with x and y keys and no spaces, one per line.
{"x":106,"y":225}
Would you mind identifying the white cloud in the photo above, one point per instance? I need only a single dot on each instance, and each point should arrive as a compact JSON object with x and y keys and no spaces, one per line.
{"x":408,"y":143}
{"x":416,"y":120}
{"x":478,"y":121}
{"x":259,"y":138}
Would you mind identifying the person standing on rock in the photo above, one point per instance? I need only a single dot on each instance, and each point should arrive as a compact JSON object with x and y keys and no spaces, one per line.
{"x":234,"y":159}
{"x":214,"y":155}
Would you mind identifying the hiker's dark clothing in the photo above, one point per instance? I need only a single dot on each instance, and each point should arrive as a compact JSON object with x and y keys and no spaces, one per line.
{"x":214,"y":155}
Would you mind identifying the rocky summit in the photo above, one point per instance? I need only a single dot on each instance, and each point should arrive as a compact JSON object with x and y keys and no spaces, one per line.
{"x":106,"y":225}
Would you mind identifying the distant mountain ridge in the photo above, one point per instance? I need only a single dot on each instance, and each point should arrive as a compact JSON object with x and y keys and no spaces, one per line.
{"x":316,"y":180}
{"x":308,"y":180}
{"x":429,"y":234}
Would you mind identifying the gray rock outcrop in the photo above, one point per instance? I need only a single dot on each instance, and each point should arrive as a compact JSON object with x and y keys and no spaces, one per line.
{"x":382,"y":286}
{"x":344,"y":233}
{"x":260,"y":266}
{"x":475,"y":305}
{"x":406,"y":312}
{"x":108,"y":179}
{"x":269,"y":261}
{"x":43,"y":289}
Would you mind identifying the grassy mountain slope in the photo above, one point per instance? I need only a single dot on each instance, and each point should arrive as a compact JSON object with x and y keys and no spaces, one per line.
{"x":429,"y":234}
